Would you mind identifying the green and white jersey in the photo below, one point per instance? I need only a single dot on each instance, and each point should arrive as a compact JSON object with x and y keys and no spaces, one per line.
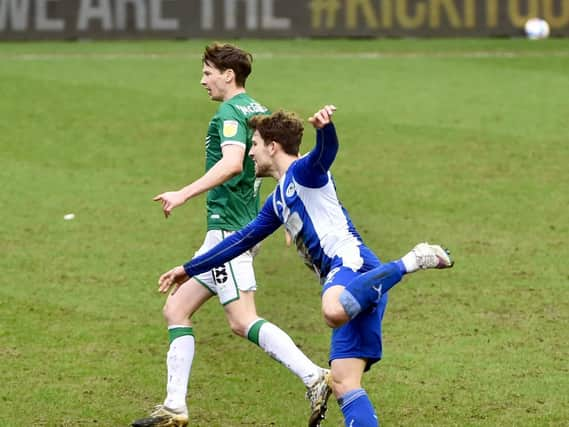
{"x":233,"y":204}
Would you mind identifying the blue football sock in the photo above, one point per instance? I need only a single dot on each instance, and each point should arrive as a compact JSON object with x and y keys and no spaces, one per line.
{"x":357,"y":409}
{"x":366,"y":289}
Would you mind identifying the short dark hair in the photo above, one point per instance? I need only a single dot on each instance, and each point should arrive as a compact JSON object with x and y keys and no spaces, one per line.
{"x":283,"y":127}
{"x":229,"y":57}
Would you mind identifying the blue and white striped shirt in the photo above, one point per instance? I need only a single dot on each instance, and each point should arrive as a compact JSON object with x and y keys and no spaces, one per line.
{"x":305,"y":201}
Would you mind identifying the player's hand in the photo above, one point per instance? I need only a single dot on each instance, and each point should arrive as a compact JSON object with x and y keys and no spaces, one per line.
{"x":170,"y":200}
{"x":322,"y":117}
{"x":176,"y":276}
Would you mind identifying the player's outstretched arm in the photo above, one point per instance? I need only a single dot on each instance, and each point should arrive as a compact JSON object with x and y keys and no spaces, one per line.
{"x":230,"y":165}
{"x":232,"y":246}
{"x":322,"y":117}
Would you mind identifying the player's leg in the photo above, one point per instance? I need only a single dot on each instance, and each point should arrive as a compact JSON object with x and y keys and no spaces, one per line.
{"x":354,"y":284}
{"x":244,"y":321}
{"x":365,"y":290}
{"x":236,"y":288}
{"x":178,"y":311}
{"x":353,"y":400}
{"x":354,"y":347}
{"x":242,"y":317}
{"x":346,"y":273}
{"x":332,"y":310}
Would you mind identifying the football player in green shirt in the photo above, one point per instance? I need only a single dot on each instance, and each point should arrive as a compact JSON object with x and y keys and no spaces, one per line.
{"x":232,"y":202}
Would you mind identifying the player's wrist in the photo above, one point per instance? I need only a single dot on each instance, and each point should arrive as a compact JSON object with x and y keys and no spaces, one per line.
{"x":186,"y":268}
{"x":185,"y":194}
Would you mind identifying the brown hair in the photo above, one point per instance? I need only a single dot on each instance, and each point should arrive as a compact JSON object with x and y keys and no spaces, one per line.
{"x":282,"y":127}
{"x":229,"y":57}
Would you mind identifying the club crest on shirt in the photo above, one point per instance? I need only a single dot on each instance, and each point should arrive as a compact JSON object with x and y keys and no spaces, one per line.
{"x":230,"y":128}
{"x":290,"y":190}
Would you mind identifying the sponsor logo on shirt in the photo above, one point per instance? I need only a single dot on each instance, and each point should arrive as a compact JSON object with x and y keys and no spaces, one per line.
{"x":230,"y":128}
{"x":252,"y":108}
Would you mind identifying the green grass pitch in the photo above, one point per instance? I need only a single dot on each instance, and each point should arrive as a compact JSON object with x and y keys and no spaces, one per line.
{"x":463,"y":142}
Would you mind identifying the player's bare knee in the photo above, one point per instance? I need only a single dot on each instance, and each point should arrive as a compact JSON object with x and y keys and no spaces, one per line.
{"x":173,"y":313}
{"x":341,"y":387}
{"x":237,"y":327}
{"x":169,"y":314}
{"x":332,"y":310}
{"x":334,"y":316}
{"x":329,"y":320}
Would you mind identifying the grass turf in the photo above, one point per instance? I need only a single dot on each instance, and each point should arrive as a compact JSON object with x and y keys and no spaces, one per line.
{"x":462,"y":142}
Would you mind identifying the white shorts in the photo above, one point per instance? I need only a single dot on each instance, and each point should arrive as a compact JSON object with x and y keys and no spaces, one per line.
{"x":226,"y":281}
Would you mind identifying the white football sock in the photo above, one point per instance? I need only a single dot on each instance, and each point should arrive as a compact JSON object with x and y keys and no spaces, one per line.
{"x":410,"y":262}
{"x":179,"y":361}
{"x":277,"y":344}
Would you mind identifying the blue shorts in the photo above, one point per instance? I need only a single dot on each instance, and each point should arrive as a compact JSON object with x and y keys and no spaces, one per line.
{"x":360,"y":337}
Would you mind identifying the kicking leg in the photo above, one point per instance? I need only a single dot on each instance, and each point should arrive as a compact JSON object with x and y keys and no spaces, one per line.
{"x":366,"y":289}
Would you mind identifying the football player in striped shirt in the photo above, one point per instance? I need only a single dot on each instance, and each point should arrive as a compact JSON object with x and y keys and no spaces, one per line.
{"x":355,"y":283}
